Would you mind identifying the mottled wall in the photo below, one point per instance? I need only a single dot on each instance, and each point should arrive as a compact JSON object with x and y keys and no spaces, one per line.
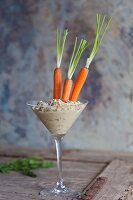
{"x":27,"y":60}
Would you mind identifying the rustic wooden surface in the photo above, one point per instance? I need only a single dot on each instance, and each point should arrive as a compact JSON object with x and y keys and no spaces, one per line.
{"x":98,"y":175}
{"x":76,"y":174}
{"x":118,"y":176}
{"x":74,"y":155}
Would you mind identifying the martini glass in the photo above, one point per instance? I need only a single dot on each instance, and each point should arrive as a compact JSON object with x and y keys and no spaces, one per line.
{"x":58,"y":123}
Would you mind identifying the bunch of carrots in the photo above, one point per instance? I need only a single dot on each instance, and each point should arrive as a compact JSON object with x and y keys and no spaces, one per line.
{"x":71,"y":92}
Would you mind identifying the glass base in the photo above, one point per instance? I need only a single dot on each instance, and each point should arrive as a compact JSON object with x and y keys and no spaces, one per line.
{"x":63,"y":193}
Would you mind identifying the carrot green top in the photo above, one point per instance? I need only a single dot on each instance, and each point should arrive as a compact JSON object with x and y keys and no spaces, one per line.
{"x":76,"y":54}
{"x":60,"y":43}
{"x":102,"y":23}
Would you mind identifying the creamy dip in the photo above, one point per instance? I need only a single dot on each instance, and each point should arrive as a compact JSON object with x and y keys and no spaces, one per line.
{"x":58,"y":116}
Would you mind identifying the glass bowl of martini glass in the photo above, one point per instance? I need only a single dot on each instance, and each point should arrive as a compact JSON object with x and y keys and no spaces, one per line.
{"x":58,"y":117}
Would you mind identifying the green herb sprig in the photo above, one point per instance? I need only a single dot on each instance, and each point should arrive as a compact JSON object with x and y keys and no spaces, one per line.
{"x":60,"y":43}
{"x":25,"y":165}
{"x":76,"y":54}
{"x":102,"y":23}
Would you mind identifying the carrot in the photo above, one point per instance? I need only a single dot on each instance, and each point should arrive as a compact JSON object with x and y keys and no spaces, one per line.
{"x":57,"y":82}
{"x":60,"y":43}
{"x":79,"y":83}
{"x":101,"y":27}
{"x":76,"y":54}
{"x":67,"y":89}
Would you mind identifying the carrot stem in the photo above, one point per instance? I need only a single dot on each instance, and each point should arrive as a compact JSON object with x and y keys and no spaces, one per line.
{"x":102,"y":23}
{"x":60,"y":44}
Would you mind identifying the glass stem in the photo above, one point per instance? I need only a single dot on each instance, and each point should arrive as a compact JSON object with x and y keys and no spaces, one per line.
{"x":60,"y":183}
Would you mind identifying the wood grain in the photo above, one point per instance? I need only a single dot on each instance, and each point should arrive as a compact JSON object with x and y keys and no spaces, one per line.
{"x":119,"y":177}
{"x":94,"y":188}
{"x":128,"y":195}
{"x":73,"y":155}
{"x":90,"y":172}
{"x":77,"y":175}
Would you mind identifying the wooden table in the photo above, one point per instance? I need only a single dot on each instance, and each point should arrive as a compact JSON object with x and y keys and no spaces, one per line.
{"x":99,"y":175}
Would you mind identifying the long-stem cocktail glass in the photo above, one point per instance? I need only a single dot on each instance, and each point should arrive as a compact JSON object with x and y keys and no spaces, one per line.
{"x":58,"y":123}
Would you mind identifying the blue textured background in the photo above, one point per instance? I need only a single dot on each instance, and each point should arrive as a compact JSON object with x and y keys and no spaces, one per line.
{"x":27,"y":60}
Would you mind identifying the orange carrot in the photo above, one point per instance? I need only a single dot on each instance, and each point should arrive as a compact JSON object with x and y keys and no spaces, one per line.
{"x":79,"y":83}
{"x":101,"y":27}
{"x":57,"y":82}
{"x":60,"y":43}
{"x":76,"y":54}
{"x":67,"y":89}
